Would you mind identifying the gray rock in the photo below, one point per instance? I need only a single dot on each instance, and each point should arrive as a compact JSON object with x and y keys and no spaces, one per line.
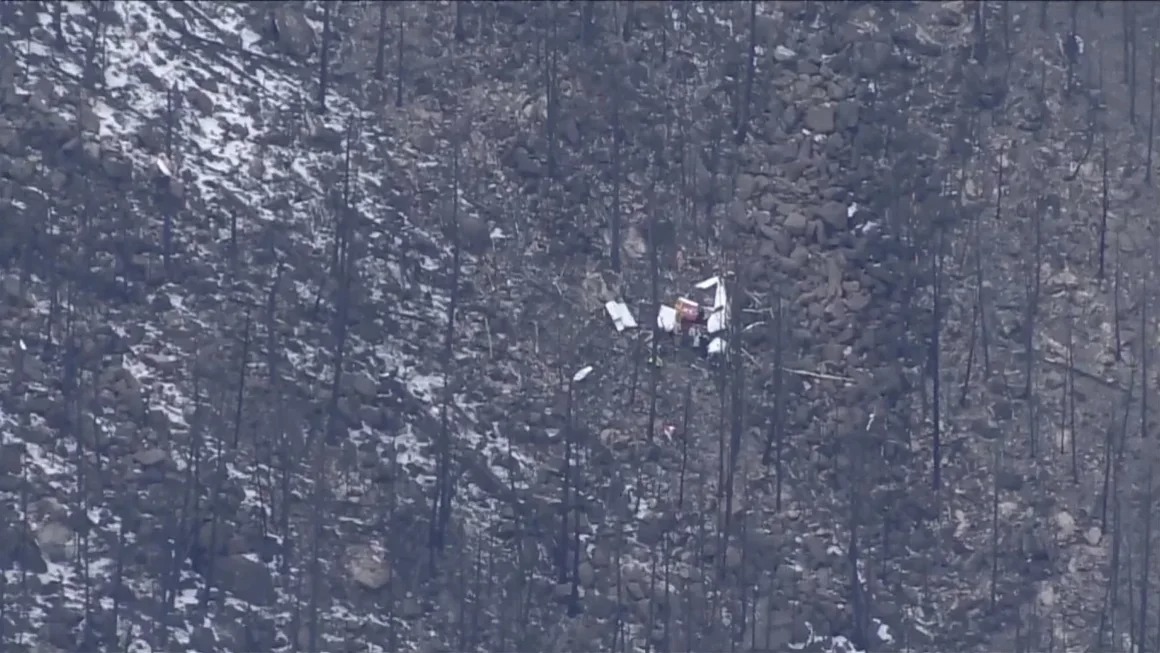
{"x":292,"y":33}
{"x":368,"y":568}
{"x":587,"y":574}
{"x":1065,"y":525}
{"x":11,"y":483}
{"x":871,"y":57}
{"x":847,"y":114}
{"x":117,"y":167}
{"x":362,"y":385}
{"x":151,"y":457}
{"x":200,"y":100}
{"x":1093,"y":536}
{"x":12,"y":458}
{"x":746,"y":184}
{"x":474,"y":234}
{"x":820,"y":118}
{"x":796,"y":224}
{"x":90,"y":122}
{"x":834,"y":215}
{"x":56,"y":541}
{"x":246,"y":579}
{"x":915,"y":39}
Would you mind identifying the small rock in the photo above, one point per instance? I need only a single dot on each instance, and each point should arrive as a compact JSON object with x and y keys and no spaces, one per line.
{"x":200,"y":100}
{"x":820,"y":118}
{"x":1093,"y":536}
{"x":363,"y":385}
{"x":151,"y":457}
{"x":1047,"y":597}
{"x":587,"y":574}
{"x":292,"y":32}
{"x":1065,"y":524}
{"x":745,"y":186}
{"x":796,"y":224}
{"x":916,"y":39}
{"x":834,"y":214}
{"x":56,"y":541}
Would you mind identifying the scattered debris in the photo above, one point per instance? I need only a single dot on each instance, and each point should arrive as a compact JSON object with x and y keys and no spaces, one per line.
{"x":582,"y":373}
{"x":819,"y":375}
{"x":689,"y":319}
{"x":162,"y":165}
{"x":667,"y":319}
{"x":782,"y":54}
{"x":621,"y":315}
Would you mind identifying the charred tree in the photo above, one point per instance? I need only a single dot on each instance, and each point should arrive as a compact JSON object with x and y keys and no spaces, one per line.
{"x":381,"y":44}
{"x":1151,"y":115}
{"x":1104,"y":208}
{"x":324,"y":57}
{"x":444,"y":474}
{"x":460,"y":23}
{"x":744,"y":106}
{"x":399,"y":72}
{"x":551,"y":90}
{"x":935,"y":358}
{"x":59,"y":41}
{"x":615,"y":226}
{"x":1130,"y":70}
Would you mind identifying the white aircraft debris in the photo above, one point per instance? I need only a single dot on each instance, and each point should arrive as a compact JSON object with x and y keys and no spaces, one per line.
{"x":162,"y":165}
{"x":718,"y":317}
{"x":582,"y":373}
{"x":621,"y":315}
{"x":708,"y":283}
{"x":690,"y":319}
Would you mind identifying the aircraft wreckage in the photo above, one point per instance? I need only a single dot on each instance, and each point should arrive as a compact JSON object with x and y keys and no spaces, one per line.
{"x":699,"y":325}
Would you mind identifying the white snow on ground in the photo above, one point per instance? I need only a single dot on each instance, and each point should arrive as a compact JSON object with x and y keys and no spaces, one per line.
{"x":215,"y":163}
{"x":216,"y":156}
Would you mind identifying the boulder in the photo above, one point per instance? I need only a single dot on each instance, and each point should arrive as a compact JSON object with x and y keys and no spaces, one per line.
{"x":292,"y":34}
{"x":57,"y":541}
{"x":368,"y":568}
{"x":820,"y":118}
{"x":247,"y":579}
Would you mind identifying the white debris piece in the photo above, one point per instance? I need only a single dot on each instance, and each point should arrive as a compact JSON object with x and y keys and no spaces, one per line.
{"x":719,"y":315}
{"x":621,"y":315}
{"x":162,"y":164}
{"x":582,"y":374}
{"x":709,"y":283}
{"x":851,"y":210}
{"x":667,"y":318}
{"x":498,"y":234}
{"x":716,"y":346}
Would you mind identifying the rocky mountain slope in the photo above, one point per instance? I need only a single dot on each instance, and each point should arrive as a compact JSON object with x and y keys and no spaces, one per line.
{"x":233,"y":411}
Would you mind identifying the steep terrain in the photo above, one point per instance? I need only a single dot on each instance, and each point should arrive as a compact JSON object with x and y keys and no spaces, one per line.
{"x":193,"y":249}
